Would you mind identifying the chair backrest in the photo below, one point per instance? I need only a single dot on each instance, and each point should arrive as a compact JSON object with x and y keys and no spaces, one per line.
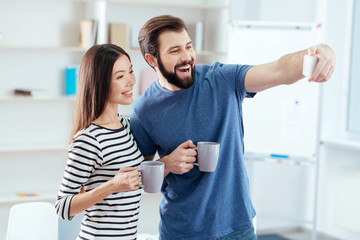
{"x":32,"y":221}
{"x":69,"y":230}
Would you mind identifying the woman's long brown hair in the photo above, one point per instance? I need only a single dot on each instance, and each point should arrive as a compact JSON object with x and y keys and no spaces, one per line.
{"x":94,"y":84}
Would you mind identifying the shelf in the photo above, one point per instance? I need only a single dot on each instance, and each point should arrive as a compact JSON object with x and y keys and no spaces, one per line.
{"x":210,"y":53}
{"x":40,"y":48}
{"x":13,"y":198}
{"x":279,"y":24}
{"x":25,"y":98}
{"x":279,"y":159}
{"x":38,"y":148}
{"x":165,"y":4}
{"x":200,"y":53}
{"x":343,"y":143}
{"x":82,"y":50}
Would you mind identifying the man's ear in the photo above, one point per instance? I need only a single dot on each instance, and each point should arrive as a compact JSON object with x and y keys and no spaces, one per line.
{"x":151,"y":59}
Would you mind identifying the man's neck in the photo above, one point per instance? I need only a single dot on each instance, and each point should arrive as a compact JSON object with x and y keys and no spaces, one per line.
{"x":165,"y":84}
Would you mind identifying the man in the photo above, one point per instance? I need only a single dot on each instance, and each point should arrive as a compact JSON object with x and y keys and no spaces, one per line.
{"x":189,"y":104}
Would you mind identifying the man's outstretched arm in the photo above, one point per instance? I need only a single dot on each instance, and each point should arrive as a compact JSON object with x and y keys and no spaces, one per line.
{"x":288,"y":69}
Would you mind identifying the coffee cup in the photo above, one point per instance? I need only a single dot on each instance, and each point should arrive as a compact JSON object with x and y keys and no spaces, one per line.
{"x":309,"y":65}
{"x":152,"y":175}
{"x":207,"y":156}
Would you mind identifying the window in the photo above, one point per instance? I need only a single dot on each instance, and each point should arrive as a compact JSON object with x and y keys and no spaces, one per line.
{"x":353,"y":122}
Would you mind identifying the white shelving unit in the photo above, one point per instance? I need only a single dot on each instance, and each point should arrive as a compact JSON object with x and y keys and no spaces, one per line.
{"x":38,"y":148}
{"x":38,"y":40}
{"x":13,"y":199}
{"x":82,"y":50}
{"x":39,"y":48}
{"x":343,"y":143}
{"x":36,"y":99}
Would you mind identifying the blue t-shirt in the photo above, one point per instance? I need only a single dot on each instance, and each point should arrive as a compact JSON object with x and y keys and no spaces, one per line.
{"x":199,"y":205}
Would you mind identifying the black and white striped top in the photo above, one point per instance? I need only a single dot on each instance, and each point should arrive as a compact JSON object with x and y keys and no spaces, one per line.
{"x":95,"y":156}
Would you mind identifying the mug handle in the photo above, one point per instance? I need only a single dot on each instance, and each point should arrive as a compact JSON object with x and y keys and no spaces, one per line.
{"x":140,"y":169}
{"x":195,"y":163}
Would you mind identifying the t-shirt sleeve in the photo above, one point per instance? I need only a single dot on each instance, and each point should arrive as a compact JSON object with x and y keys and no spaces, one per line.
{"x":143,"y":139}
{"x":125,"y":121}
{"x":84,"y":155}
{"x":234,"y":76}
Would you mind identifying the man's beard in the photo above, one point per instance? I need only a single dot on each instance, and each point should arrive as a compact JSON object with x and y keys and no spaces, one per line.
{"x":173,"y":79}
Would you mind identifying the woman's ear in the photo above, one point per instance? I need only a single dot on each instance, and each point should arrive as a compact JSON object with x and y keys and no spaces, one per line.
{"x":152,"y":61}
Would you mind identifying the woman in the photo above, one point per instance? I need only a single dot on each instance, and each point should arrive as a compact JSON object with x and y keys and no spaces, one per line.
{"x":100,"y":177}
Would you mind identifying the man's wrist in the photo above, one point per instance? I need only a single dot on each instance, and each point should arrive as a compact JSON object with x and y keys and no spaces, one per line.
{"x":165,"y":160}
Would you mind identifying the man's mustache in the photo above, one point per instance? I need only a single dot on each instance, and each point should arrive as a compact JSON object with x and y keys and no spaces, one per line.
{"x":184,"y":64}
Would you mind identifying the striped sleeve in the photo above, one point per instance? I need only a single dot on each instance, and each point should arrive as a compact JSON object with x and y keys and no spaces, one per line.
{"x":84,"y":156}
{"x":125,"y":121}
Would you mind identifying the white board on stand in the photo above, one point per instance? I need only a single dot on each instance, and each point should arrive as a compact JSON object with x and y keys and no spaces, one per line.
{"x":282,"y":120}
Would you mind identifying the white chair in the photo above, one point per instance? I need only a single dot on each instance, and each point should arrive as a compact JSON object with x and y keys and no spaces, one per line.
{"x":69,"y":230}
{"x":32,"y":221}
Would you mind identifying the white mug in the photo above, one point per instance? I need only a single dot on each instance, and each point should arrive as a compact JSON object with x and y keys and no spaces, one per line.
{"x":152,"y":176}
{"x":207,"y":156}
{"x":309,"y":65}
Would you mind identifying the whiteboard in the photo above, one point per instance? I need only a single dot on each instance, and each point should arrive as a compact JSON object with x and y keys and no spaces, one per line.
{"x":282,"y":120}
